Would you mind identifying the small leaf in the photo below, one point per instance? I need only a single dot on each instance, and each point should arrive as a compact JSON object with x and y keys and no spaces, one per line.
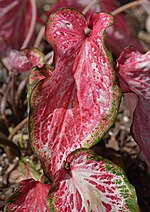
{"x":35,"y":56}
{"x":134,"y":71}
{"x":29,"y":196}
{"x":38,"y":74}
{"x":25,"y":60}
{"x":16,"y":18}
{"x":91,"y":183}
{"x":78,"y":103}
{"x":29,"y":169}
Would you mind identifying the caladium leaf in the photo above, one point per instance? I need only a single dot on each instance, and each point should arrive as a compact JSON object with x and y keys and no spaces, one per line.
{"x":88,"y":182}
{"x":25,"y":59}
{"x":121,"y":32}
{"x":16,"y":19}
{"x":134,"y":71}
{"x":30,"y":195}
{"x":78,"y":103}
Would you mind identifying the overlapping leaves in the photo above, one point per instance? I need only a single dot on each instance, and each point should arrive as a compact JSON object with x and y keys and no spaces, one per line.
{"x":73,"y":106}
{"x":89,"y":183}
{"x":85,"y":182}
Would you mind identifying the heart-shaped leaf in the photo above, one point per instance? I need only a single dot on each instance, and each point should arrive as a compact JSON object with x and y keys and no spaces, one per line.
{"x":78,"y":103}
{"x":25,"y":60}
{"x":16,"y":20}
{"x":30,"y":195}
{"x":88,"y":182}
{"x":122,"y":32}
{"x":134,"y":75}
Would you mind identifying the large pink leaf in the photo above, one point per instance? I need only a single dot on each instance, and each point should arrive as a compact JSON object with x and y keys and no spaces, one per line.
{"x":16,"y":21}
{"x":134,"y":73}
{"x":25,"y":60}
{"x":78,"y":103}
{"x":89,"y":183}
{"x":121,"y":33}
{"x":30,"y":196}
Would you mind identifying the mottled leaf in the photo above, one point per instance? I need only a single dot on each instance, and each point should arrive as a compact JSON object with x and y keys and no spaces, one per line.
{"x":16,"y":18}
{"x":134,"y":71}
{"x":35,"y":56}
{"x":25,"y":60}
{"x":88,"y":182}
{"x":30,"y":195}
{"x":121,"y":33}
{"x":78,"y":103}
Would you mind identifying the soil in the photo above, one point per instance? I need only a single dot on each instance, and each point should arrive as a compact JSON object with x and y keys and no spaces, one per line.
{"x":117,"y":145}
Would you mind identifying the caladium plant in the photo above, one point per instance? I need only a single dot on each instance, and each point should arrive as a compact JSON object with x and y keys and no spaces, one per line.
{"x":71,"y":107}
{"x":78,"y":108}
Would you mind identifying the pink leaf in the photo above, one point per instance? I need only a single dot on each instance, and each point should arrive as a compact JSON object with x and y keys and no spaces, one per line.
{"x":121,"y":33}
{"x":25,"y":59}
{"x":88,"y":182}
{"x":35,"y":56}
{"x":78,"y":103}
{"x":16,"y":23}
{"x":29,"y":196}
{"x":134,"y":71}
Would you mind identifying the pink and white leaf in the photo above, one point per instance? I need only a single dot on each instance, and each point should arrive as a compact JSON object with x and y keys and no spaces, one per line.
{"x":121,"y":32}
{"x":17,"y":22}
{"x":88,"y":182}
{"x":30,"y":195}
{"x":25,"y":60}
{"x":78,"y":103}
{"x":134,"y":71}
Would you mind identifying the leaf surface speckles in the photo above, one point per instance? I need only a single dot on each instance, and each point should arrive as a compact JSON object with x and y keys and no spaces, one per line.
{"x":89,"y":183}
{"x":25,"y":60}
{"x":30,"y":195}
{"x":134,"y":75}
{"x":77,"y":105}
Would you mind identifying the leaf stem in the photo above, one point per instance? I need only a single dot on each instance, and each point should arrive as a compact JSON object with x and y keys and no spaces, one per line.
{"x":126,"y":7}
{"x":88,"y":7}
{"x":39,"y":37}
{"x":18,"y":127}
{"x":32,"y":25}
